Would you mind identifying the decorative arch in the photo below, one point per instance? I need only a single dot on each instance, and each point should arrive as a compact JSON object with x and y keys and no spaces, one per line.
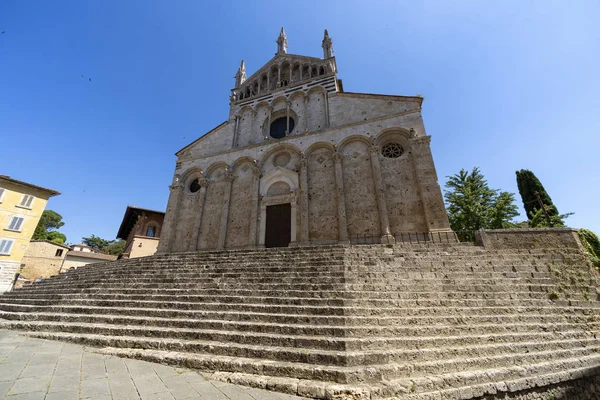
{"x":215,"y":166}
{"x":317,"y":88}
{"x":242,"y":160}
{"x":392,"y":133}
{"x":354,"y":138}
{"x":279,"y":99}
{"x":319,"y":145}
{"x":299,"y":93}
{"x":278,"y":148}
{"x":151,"y":229}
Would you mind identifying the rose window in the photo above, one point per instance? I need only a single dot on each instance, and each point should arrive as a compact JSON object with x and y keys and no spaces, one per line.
{"x":392,"y":150}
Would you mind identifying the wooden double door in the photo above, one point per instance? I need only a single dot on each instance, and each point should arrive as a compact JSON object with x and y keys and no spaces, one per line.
{"x":278,"y":230}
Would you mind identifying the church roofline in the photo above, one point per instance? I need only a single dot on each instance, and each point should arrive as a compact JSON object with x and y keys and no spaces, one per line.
{"x":418,"y":99}
{"x":201,"y":137}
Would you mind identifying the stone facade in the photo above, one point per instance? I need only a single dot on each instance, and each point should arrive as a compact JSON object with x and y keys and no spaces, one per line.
{"x":348,"y":164}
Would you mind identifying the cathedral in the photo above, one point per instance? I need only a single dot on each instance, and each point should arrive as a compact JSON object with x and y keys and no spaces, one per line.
{"x":301,"y":162}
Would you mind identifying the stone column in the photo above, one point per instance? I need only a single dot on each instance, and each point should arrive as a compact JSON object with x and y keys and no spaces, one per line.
{"x":256,"y":171}
{"x":304,"y":222}
{"x":341,"y":200}
{"x":326,"y":103}
{"x":235,"y":130}
{"x":168,"y":230}
{"x":384,"y":222}
{"x":301,"y":68}
{"x":305,"y":113}
{"x":204,"y":184}
{"x":291,"y":70}
{"x":269,"y":123}
{"x":429,"y":189}
{"x":229,"y":177}
{"x":269,"y":80}
{"x":287,"y":115}
{"x":279,"y":74}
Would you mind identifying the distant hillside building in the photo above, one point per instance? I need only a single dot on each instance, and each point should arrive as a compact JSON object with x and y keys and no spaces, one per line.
{"x":141,"y":230}
{"x":81,"y":255}
{"x":21,"y":206}
{"x":300,"y":162}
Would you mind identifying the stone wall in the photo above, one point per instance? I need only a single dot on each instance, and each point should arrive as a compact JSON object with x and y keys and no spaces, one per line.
{"x":40,"y":260}
{"x":555,"y":238}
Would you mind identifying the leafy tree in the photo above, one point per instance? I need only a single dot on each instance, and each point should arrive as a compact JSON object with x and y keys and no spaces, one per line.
{"x":116,"y":248}
{"x":95,"y":242}
{"x":592,"y":245}
{"x":473,"y":205}
{"x":113,"y":247}
{"x":46,"y":227}
{"x":57,"y":237}
{"x":528,"y":184}
{"x":539,"y":220}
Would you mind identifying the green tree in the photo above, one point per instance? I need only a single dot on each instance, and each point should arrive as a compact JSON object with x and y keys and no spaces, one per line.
{"x":592,"y":245}
{"x":528,"y":185}
{"x":112,"y":247}
{"x":116,"y":248}
{"x":46,"y":227}
{"x":473,"y":205}
{"x":95,"y":242}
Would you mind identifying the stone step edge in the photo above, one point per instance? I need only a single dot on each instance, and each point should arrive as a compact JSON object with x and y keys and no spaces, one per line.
{"x":321,"y":327}
{"x":116,"y":307}
{"x":153,"y":341}
{"x":335,"y":391}
{"x":316,"y":318}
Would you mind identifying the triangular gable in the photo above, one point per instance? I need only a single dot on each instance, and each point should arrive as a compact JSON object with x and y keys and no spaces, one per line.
{"x":178,"y":153}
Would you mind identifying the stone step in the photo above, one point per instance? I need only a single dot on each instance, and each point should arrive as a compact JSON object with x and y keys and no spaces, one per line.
{"x":190,"y":309}
{"x":166,"y":299}
{"x":348,"y":320}
{"x":312,"y":294}
{"x":327,"y":375}
{"x":357,"y":331}
{"x":492,"y":382}
{"x":391,"y":363}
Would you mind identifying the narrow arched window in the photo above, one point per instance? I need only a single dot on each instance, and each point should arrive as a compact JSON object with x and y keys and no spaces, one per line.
{"x":151,"y":231}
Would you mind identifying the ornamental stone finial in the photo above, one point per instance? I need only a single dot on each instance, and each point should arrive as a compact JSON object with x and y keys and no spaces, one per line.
{"x":240,"y":76}
{"x":327,"y":46}
{"x":282,"y":43}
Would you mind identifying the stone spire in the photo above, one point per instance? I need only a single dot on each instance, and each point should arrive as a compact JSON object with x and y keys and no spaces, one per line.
{"x":240,"y":76}
{"x":327,"y":45}
{"x":282,"y":43}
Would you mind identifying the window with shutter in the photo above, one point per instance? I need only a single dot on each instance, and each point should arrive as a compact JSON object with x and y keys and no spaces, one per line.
{"x":26,"y":201}
{"x":15,"y":224}
{"x":6,"y":246}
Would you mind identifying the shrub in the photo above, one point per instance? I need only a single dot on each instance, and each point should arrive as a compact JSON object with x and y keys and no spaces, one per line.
{"x":592,"y":245}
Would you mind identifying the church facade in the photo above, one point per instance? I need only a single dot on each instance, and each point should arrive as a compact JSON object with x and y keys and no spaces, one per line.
{"x":302,"y":162}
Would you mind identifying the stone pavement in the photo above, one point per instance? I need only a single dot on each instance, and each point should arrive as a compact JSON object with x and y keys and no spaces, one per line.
{"x":34,"y":369}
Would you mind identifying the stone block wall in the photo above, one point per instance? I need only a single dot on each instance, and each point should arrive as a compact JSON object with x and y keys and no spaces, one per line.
{"x":555,"y":238}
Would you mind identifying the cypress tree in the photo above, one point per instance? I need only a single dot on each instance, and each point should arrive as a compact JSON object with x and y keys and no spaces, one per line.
{"x":528,"y":184}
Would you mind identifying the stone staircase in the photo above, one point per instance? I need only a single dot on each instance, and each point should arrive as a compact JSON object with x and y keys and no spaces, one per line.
{"x":447,"y":321}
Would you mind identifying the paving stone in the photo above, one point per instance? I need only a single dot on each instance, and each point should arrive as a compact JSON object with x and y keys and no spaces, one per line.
{"x":29,"y":385}
{"x":208,"y":390}
{"x":63,"y":383}
{"x":28,"y":396}
{"x":72,"y":394}
{"x":122,"y":387}
{"x":94,"y":388}
{"x":37,"y":370}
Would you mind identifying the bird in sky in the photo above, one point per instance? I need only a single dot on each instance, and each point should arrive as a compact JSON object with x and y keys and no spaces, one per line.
{"x":90,"y":79}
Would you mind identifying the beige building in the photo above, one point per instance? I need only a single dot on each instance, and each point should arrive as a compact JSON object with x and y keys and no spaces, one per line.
{"x":141,"y":230}
{"x":21,"y":206}
{"x":42,"y":259}
{"x":299,"y":161}
{"x":81,"y":255}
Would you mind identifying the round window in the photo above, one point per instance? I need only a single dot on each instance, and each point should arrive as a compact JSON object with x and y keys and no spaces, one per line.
{"x":279,"y":127}
{"x":195,"y":186}
{"x":392,"y":150}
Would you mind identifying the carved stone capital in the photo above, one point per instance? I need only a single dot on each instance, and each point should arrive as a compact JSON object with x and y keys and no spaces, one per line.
{"x":205,"y":182}
{"x":175,"y":187}
{"x":337,"y":157}
{"x":374,"y":149}
{"x":421,"y":140}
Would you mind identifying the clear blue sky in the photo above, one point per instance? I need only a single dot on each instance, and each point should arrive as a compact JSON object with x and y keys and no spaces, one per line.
{"x":507,"y":85}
